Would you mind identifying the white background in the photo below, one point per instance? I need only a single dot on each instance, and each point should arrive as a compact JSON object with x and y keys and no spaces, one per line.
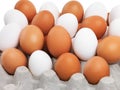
{"x":6,"y":5}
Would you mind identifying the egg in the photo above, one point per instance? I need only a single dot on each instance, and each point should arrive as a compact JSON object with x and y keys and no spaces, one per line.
{"x":75,"y":8}
{"x":97,"y":24}
{"x":11,"y":59}
{"x":39,"y":62}
{"x":66,"y":65}
{"x":114,"y":13}
{"x":114,"y":28}
{"x":95,"y":69}
{"x":79,"y":26}
{"x":26,"y":7}
{"x":45,"y":44}
{"x":31,"y":39}
{"x":109,"y":49}
{"x":106,"y":33}
{"x":51,"y":7}
{"x":98,"y":9}
{"x":69,"y":22}
{"x":9,"y":36}
{"x":15,"y":16}
{"x":99,"y":41}
{"x":58,"y":41}
{"x":44,"y":20}
{"x":85,"y":43}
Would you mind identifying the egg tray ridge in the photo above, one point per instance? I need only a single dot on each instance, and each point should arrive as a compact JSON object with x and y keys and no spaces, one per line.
{"x":23,"y":80}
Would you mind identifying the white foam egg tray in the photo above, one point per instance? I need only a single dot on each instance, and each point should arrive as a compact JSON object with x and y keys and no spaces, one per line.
{"x":23,"y":80}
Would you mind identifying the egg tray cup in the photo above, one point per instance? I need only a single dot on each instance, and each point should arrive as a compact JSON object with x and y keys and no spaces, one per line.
{"x":23,"y":80}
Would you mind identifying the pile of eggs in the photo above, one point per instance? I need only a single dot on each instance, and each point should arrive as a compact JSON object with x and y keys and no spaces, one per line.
{"x":32,"y":39}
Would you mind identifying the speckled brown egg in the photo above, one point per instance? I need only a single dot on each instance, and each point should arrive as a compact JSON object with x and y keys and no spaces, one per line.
{"x":12,"y":58}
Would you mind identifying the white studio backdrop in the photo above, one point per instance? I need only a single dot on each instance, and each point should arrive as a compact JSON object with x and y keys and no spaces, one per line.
{"x":6,"y":5}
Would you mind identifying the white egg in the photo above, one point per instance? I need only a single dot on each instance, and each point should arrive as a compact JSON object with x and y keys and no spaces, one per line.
{"x":114,"y":13}
{"x":96,"y":8}
{"x":114,"y":28}
{"x":39,"y":62}
{"x":9,"y":36}
{"x":85,"y":43}
{"x":69,"y":22}
{"x":15,"y":16}
{"x":51,"y":8}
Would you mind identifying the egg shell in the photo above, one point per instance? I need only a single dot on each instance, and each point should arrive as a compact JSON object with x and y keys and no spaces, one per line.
{"x":109,"y":49}
{"x":51,"y":7}
{"x":95,"y":69}
{"x":114,"y":28}
{"x":79,"y":26}
{"x":9,"y":36}
{"x":58,"y":41}
{"x":75,"y":8}
{"x":69,"y":22}
{"x":26,"y":7}
{"x":114,"y":13}
{"x":39,"y":62}
{"x":96,"y":8}
{"x":66,"y":65}
{"x":44,"y":20}
{"x":13,"y":58}
{"x":85,"y":44}
{"x":106,"y":33}
{"x":31,"y":39}
{"x":15,"y":16}
{"x":97,"y":24}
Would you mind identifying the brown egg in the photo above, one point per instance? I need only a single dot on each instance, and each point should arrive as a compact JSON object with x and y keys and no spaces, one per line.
{"x":45,"y":48}
{"x":26,"y":7}
{"x":44,"y":20}
{"x":12,"y":58}
{"x":95,"y":69}
{"x":99,"y":41}
{"x":109,"y":49}
{"x":66,"y":65}
{"x":31,"y":39}
{"x":97,"y":24}
{"x":75,"y":8}
{"x":79,"y":26}
{"x":58,"y":41}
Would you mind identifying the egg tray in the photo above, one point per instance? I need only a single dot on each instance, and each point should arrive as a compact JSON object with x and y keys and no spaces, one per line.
{"x":23,"y":80}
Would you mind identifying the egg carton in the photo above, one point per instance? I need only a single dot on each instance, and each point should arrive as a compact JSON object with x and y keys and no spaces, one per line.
{"x":24,"y":80}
